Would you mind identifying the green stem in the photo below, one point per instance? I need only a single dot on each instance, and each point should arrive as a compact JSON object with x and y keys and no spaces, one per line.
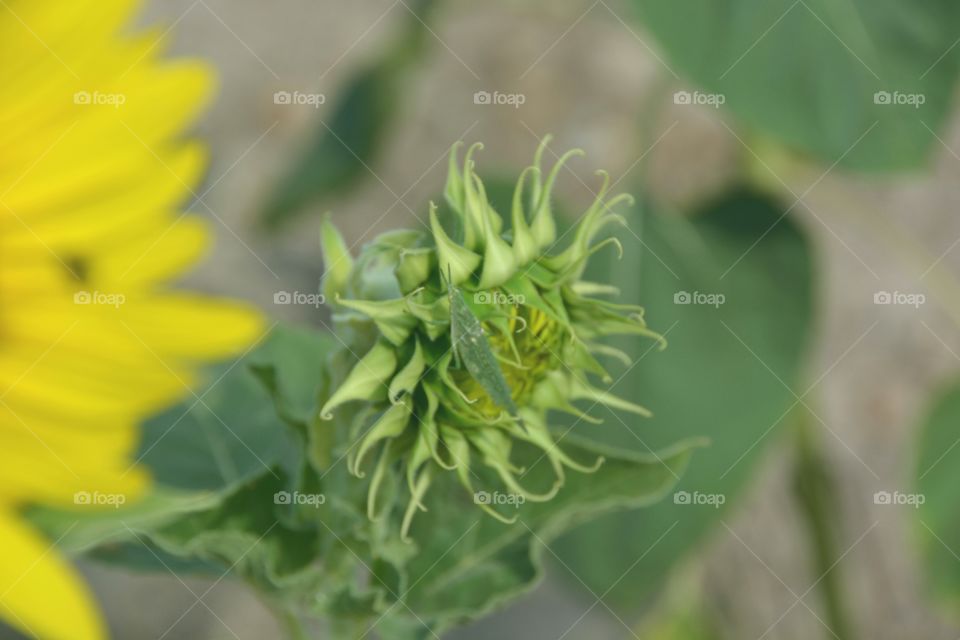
{"x":290,"y":621}
{"x":815,"y":490}
{"x":350,"y":628}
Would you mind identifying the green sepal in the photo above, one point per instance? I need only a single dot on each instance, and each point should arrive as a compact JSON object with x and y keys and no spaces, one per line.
{"x":392,"y":317}
{"x":389,"y":425}
{"x":544,"y":227}
{"x":408,"y":378}
{"x":499,"y":262}
{"x":453,"y":190}
{"x":525,"y":248}
{"x":414,"y":267}
{"x":338,"y":263}
{"x":581,"y":390}
{"x":366,"y":381}
{"x":454,"y":261}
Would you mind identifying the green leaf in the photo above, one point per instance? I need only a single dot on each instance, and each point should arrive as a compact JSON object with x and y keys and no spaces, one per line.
{"x":245,"y":533}
{"x":302,"y":556}
{"x":307,"y":560}
{"x":938,"y":517}
{"x":199,"y":451}
{"x":346,"y":142}
{"x":468,"y":563}
{"x":326,"y":558}
{"x":806,"y":72}
{"x":335,"y":160}
{"x":290,"y":367}
{"x":77,"y":532}
{"x":684,"y":612}
{"x":232,"y":432}
{"x":721,"y":377}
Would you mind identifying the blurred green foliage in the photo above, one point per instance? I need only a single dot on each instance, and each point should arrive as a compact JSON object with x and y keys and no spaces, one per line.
{"x":816,"y":493}
{"x":344,"y":145}
{"x":247,"y":439}
{"x":725,"y":374}
{"x":808,"y":72}
{"x":837,"y":80}
{"x":938,"y":518}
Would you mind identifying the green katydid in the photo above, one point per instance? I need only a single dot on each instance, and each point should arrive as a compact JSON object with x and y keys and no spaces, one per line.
{"x":470,"y":345}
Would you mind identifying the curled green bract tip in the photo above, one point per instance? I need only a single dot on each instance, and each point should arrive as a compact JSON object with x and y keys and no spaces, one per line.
{"x":467,"y":333}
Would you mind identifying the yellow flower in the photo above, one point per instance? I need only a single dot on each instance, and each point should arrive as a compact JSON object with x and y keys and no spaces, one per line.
{"x":92,"y":174}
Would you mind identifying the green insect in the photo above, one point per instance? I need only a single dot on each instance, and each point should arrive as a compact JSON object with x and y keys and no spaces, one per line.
{"x":470,"y":345}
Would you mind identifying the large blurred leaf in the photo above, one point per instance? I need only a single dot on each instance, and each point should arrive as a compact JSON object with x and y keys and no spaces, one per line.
{"x":806,"y":71}
{"x":199,"y":450}
{"x":327,"y":558}
{"x":346,"y":142}
{"x":468,"y":563}
{"x":717,"y":378}
{"x":461,"y":564}
{"x":244,"y":533}
{"x":936,"y":478}
{"x":77,"y":531}
{"x":232,"y":432}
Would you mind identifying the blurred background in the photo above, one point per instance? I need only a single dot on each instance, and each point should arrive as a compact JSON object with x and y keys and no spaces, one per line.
{"x":352,"y":107}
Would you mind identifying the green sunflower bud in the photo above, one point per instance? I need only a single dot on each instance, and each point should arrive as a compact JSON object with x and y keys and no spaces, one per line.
{"x":469,"y":336}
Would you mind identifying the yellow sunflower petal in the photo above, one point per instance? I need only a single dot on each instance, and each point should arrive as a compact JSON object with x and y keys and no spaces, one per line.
{"x":193,"y":326}
{"x":152,"y":257}
{"x":93,"y":175}
{"x":114,"y":183}
{"x":68,"y":471}
{"x":32,"y":577}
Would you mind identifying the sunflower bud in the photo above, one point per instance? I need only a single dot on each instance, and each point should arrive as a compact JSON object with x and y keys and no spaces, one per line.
{"x":469,"y":336}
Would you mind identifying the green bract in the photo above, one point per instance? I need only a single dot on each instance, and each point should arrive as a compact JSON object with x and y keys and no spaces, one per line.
{"x":470,"y":336}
